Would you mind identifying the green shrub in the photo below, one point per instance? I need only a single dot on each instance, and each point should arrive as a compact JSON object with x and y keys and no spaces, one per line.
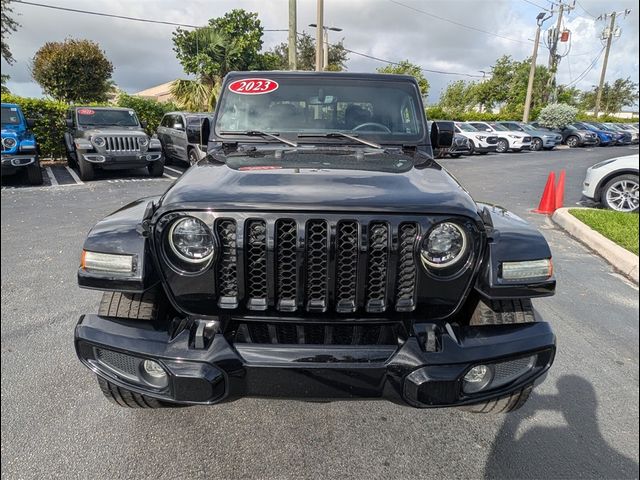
{"x":148,"y":110}
{"x":557,"y":115}
{"x":49,"y":118}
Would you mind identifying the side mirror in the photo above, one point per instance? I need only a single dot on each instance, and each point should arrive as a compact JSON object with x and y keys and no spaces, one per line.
{"x":31,"y":123}
{"x":205,"y":129}
{"x":178,"y":126}
{"x":68,"y":122}
{"x":442,"y":134}
{"x":143,"y":124}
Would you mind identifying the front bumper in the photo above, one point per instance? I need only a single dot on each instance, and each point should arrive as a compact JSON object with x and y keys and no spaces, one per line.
{"x":519,"y":145}
{"x":590,"y":184}
{"x":122,"y":160}
{"x":548,"y":142}
{"x":13,"y":163}
{"x":208,"y":370}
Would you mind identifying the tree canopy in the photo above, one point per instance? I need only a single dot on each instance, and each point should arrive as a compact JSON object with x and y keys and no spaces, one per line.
{"x":405,"y":67}
{"x":622,"y":93}
{"x":306,"y":55}
{"x":8,"y":26}
{"x":73,"y":71}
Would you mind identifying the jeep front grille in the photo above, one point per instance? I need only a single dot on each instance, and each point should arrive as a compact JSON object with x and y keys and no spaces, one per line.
{"x":122,"y":143}
{"x":316,"y":264}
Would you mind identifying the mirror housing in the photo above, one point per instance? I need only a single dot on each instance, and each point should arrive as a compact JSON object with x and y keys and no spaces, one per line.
{"x":178,"y":126}
{"x":30,"y":122}
{"x":205,"y":129}
{"x":143,"y":124}
{"x":442,"y":134}
{"x":68,"y":122}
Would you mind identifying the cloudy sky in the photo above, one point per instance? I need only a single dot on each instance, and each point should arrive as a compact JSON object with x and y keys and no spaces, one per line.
{"x":389,"y":29}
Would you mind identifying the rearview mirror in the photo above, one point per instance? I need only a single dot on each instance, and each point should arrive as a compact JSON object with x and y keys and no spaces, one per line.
{"x":442,"y":134}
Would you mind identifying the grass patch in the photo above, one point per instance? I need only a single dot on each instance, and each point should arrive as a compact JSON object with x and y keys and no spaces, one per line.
{"x":622,"y":228}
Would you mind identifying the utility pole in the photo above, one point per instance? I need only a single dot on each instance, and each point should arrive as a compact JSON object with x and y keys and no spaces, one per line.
{"x":319,"y":35}
{"x":554,"y":36}
{"x":325,"y":41}
{"x":607,"y":34}
{"x":540,"y":19}
{"x":293,"y":28}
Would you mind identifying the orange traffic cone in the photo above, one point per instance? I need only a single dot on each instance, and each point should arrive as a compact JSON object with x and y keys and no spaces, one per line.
{"x":560,"y":191}
{"x":548,"y":200}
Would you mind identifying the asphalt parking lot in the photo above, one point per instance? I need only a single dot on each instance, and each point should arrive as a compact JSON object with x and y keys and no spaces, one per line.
{"x":581,"y":423}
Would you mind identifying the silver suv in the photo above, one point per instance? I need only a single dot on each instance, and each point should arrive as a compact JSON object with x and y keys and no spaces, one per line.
{"x":182,"y":137}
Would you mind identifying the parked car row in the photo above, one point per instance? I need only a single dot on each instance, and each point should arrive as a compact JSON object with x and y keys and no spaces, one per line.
{"x":505,"y":136}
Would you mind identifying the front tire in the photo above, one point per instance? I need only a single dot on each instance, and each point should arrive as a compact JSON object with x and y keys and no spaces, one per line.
{"x":621,"y":193}
{"x":128,"y":399}
{"x":87,"y":170}
{"x":156,"y":169}
{"x":34,"y":174}
{"x":192,"y":157}
{"x":573,"y":141}
{"x":472,"y":147}
{"x":536,"y":145}
{"x":502,"y":146}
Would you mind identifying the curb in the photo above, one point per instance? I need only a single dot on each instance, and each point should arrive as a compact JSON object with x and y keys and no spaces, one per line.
{"x":620,"y":258}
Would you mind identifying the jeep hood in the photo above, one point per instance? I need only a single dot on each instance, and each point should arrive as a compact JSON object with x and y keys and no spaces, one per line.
{"x":396,"y":185}
{"x":10,"y":132}
{"x":88,"y":132}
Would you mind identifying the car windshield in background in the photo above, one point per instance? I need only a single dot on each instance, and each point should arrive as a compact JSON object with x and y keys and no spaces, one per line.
{"x":384,"y":110}
{"x":10,"y":116}
{"x":104,"y":118}
{"x":465,"y":127}
{"x":499,"y":127}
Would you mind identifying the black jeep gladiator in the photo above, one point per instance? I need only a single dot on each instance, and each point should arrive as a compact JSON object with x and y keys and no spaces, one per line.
{"x":318,"y":252}
{"x":109,"y":138}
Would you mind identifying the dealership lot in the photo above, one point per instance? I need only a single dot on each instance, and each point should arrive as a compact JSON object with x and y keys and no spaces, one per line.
{"x":582,"y":422}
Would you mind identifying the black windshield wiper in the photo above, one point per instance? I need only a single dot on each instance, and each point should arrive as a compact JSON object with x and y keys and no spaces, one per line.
{"x":341,"y":134}
{"x":258,"y":133}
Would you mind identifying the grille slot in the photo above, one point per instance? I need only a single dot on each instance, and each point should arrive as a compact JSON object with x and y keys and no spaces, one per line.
{"x":257,"y":264}
{"x":317,"y":265}
{"x":346,"y":266}
{"x":228,"y":264}
{"x":406,"y":281}
{"x":378,"y":263}
{"x":121,"y":363}
{"x":286,"y":270}
{"x":314,"y":334}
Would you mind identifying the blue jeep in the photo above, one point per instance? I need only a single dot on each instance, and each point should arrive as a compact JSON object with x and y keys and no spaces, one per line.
{"x":19,"y":149}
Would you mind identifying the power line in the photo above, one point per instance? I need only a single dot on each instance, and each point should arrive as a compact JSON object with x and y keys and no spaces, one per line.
{"x":458,"y":23}
{"x":587,"y":70}
{"x":585,"y":10}
{"x":536,"y":5}
{"x":122,"y":17}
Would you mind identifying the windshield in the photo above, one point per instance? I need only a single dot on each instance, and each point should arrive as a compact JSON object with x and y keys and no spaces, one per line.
{"x":527,"y":128}
{"x":499,"y":127}
{"x":387,"y":111}
{"x":10,"y":116}
{"x":107,"y":118}
{"x":465,"y":127}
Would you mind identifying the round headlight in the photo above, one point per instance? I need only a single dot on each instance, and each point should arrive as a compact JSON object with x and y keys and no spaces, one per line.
{"x":191,"y":240}
{"x":445,"y":245}
{"x":9,"y":142}
{"x":143,"y":141}
{"x":98,"y":141}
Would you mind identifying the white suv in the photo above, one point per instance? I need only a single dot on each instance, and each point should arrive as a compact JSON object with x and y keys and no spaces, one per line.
{"x":479,"y":142}
{"x":614,"y":183}
{"x":507,"y":139}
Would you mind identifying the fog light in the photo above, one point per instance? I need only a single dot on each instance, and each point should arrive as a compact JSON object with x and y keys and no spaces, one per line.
{"x":153,"y":369}
{"x":477,"y":378}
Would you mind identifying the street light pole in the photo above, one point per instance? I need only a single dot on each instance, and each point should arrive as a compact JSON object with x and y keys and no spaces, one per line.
{"x":325,"y":44}
{"x":540,"y":19}
{"x":319,"y":34}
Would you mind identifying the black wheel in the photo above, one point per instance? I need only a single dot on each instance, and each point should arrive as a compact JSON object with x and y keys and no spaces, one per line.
{"x":472,"y":147}
{"x":128,"y":399}
{"x":34,"y":174}
{"x":573,"y":141}
{"x":71,"y":158}
{"x":167,"y":158}
{"x":156,"y":169}
{"x":87,"y":171}
{"x":536,"y":144}
{"x":455,"y":155}
{"x":135,"y":306}
{"x":192,"y":156}
{"x":621,"y":193}
{"x":598,"y":142}
{"x":502,"y":312}
{"x":503,"y":145}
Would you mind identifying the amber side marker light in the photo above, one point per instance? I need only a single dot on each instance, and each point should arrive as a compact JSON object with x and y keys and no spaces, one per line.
{"x":106,"y":262}
{"x":528,"y":270}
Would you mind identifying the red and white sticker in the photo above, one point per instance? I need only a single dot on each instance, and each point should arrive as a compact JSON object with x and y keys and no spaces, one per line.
{"x":253,"y":86}
{"x":86,"y":111}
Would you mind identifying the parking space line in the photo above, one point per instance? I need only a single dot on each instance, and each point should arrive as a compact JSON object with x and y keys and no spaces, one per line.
{"x":180,"y":172}
{"x":52,"y":177}
{"x":74,"y":176}
{"x":169,"y":176}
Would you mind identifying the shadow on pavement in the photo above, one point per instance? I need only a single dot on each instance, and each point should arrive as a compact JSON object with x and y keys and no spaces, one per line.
{"x":574,"y":450}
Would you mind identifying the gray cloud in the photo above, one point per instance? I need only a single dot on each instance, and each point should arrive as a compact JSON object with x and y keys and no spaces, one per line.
{"x":142,"y":53}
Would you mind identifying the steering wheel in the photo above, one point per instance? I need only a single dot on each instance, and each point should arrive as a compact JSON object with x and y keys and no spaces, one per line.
{"x":379,"y":126}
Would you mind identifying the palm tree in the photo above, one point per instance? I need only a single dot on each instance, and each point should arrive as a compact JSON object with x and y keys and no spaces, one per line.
{"x":220,"y":54}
